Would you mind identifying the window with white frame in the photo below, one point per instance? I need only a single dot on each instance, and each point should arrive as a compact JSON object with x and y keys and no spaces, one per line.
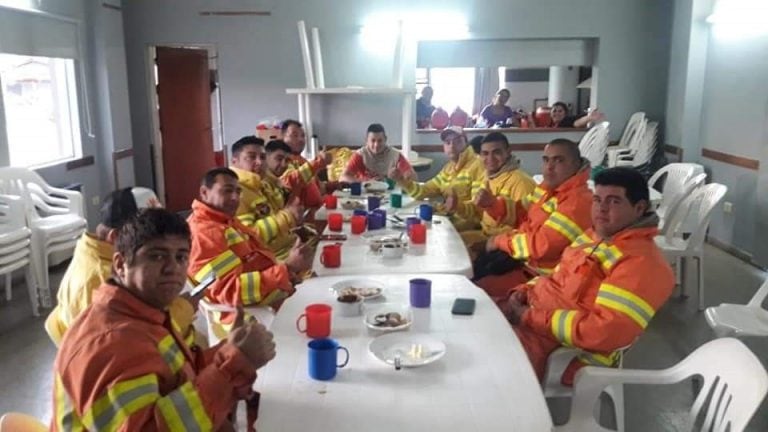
{"x":39,"y":97}
{"x":453,"y":87}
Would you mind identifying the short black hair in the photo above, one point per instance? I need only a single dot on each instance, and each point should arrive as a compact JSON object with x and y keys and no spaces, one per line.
{"x":146,"y":225}
{"x":119,"y":206}
{"x":476,"y":143}
{"x":238,"y":146}
{"x":376,"y":128}
{"x":496,"y":137}
{"x":276,"y":145}
{"x":509,"y":93}
{"x":288,"y":123}
{"x":561,"y":105}
{"x":570,"y":146}
{"x":210,"y":177}
{"x":634,"y":184}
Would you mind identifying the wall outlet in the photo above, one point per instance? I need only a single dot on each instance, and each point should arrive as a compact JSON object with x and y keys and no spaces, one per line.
{"x":95,"y":200}
{"x":728,"y":207}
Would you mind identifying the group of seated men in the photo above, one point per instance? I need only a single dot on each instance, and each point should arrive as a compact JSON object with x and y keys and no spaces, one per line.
{"x":565,"y":266}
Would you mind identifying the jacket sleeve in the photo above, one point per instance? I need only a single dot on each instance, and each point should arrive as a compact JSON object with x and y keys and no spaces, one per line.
{"x":269,"y":227}
{"x":236,"y":282}
{"x":625,"y":303}
{"x":123,"y":394}
{"x":547,"y":241}
{"x":431,"y":188}
{"x":355,"y":167}
{"x":303,"y":175}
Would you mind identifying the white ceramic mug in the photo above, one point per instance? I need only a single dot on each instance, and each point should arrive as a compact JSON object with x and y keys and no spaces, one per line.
{"x":349,"y":308}
{"x":389,"y":250}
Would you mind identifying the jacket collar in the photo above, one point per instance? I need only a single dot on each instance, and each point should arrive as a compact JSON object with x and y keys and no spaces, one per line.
{"x":203,"y":210}
{"x":509,"y":166}
{"x":297,"y":159}
{"x":577,"y":180}
{"x":116,"y":298}
{"x":102,"y":249}
{"x":246,"y":178}
{"x":466,"y":156}
{"x":646,"y":226}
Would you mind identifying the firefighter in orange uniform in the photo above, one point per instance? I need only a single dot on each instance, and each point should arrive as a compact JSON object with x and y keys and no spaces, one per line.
{"x":608,"y":286}
{"x":123,"y":367}
{"x":244,"y":270}
{"x":548,"y":220}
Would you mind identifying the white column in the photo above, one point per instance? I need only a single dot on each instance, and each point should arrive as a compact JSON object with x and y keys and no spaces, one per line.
{"x":397,"y":66}
{"x":304,"y":42}
{"x":562,"y":84}
{"x":319,"y":75}
{"x":409,"y":121}
{"x":309,"y":151}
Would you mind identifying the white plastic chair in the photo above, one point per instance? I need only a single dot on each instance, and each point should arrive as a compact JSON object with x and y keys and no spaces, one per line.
{"x":18,"y":422}
{"x":675,"y":177}
{"x":740,"y":320}
{"x":15,"y":249}
{"x":643,"y":153}
{"x":630,"y":138}
{"x":552,"y":386}
{"x":594,"y":144}
{"x":677,"y":248}
{"x":538,"y":178}
{"x":54,"y":215}
{"x":212,"y":311}
{"x":688,"y":225}
{"x":734,"y":383}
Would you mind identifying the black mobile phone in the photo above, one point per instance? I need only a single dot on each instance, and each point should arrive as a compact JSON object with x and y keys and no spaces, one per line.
{"x":463,"y":306}
{"x":202,"y":286}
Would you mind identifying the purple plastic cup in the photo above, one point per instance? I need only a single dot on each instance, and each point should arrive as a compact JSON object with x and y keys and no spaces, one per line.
{"x":421,"y":292}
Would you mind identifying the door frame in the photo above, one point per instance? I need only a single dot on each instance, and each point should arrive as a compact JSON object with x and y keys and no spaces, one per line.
{"x":156,"y":139}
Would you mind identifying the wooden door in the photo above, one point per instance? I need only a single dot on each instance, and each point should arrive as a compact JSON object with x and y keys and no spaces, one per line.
{"x":184,"y":99}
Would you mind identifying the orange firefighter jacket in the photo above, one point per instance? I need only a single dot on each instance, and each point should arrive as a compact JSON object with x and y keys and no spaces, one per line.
{"x":262,"y":208}
{"x":301,"y":179}
{"x":122,"y":367}
{"x":602,"y":296}
{"x":547,"y":222}
{"x":245,"y":271}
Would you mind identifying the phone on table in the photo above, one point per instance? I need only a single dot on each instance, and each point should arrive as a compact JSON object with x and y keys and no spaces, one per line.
{"x":202,"y":286}
{"x":463,"y":306}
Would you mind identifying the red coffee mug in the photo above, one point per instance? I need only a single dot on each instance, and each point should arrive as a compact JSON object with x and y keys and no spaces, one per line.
{"x":335,"y":221}
{"x":318,"y":321}
{"x":331,"y":255}
{"x":358,"y":224}
{"x":418,"y":233}
{"x":331,"y":202}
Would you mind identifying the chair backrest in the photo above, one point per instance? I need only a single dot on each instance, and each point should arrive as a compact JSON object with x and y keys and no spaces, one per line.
{"x":215,"y":331}
{"x":145,"y":197}
{"x":759,"y":297}
{"x":646,"y":145}
{"x":633,"y":128}
{"x":594,"y":143}
{"x":41,"y":198}
{"x":12,"y":213}
{"x":675,"y":201}
{"x":18,"y":422}
{"x":699,"y":205}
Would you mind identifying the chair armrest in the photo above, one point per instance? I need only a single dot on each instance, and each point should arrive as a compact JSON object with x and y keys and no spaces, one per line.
{"x":760,"y":295}
{"x":557,"y":362}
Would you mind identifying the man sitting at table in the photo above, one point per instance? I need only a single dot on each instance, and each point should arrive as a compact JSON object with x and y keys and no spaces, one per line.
{"x":123,"y":366}
{"x":376,"y":159}
{"x":546,"y":221}
{"x":91,"y":266}
{"x":262,"y":202}
{"x":494,"y":196}
{"x":300,"y":176}
{"x":453,"y":182}
{"x":245,"y":272}
{"x":609,"y":284}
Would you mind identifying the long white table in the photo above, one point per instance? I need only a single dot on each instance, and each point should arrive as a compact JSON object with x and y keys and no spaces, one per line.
{"x":483,"y":383}
{"x":444,"y":252}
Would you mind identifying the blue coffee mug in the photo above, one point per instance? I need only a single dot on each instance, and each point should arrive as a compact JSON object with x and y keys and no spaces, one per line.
{"x":355,"y":188}
{"x":376,"y":220}
{"x":358,"y":212}
{"x":425,"y":212}
{"x":323,"y":358}
{"x":374,"y":202}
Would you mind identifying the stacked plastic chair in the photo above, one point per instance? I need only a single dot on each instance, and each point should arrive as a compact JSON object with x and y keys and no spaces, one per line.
{"x":15,"y":247}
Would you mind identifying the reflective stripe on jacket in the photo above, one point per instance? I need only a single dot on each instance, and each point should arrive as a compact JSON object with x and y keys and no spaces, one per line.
{"x":246,"y":272}
{"x":122,"y":367}
{"x":548,"y":221}
{"x":301,"y":179}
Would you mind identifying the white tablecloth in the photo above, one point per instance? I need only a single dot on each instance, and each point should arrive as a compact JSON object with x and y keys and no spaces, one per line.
{"x":483,"y":383}
{"x":444,"y":252}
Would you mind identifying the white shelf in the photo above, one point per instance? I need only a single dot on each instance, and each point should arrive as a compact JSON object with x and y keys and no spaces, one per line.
{"x":351,"y":90}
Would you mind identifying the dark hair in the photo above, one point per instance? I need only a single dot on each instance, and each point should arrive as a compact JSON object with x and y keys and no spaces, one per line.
{"x":146,"y":225}
{"x":570,"y":146}
{"x":496,"y":137}
{"x":276,"y":145}
{"x":119,"y":206}
{"x":561,"y":105}
{"x":376,"y":128}
{"x":288,"y":123}
{"x":247,"y":140}
{"x":509,"y":93}
{"x":634,"y":184}
{"x":476,"y":143}
{"x":210,"y":177}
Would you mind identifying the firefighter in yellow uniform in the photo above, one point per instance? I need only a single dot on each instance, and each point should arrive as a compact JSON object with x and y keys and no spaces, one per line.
{"x":262,"y":202}
{"x":453,"y":182}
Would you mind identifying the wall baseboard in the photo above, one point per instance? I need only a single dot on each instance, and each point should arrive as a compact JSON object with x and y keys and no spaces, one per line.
{"x":736,"y":252}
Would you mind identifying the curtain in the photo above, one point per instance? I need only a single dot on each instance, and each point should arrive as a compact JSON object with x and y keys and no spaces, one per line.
{"x":486,"y":86}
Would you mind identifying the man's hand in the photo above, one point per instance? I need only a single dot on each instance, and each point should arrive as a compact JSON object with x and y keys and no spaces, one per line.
{"x":325,"y":156}
{"x":490,"y":245}
{"x":484,"y":198}
{"x":299,"y":258}
{"x":395,"y":174}
{"x":514,"y":310}
{"x":254,"y":341}
{"x":451,"y":201}
{"x":296,"y":210}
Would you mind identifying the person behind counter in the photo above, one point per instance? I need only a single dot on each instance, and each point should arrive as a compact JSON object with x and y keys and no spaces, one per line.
{"x":559,"y":117}
{"x":375,"y":159}
{"x":498,"y":111}
{"x":424,"y":108}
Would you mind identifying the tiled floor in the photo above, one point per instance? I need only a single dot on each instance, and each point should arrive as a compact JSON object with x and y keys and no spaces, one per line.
{"x":26,"y":354}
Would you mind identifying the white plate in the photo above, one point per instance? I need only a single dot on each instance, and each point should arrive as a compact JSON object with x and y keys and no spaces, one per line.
{"x":413,"y":349}
{"x":374,"y":316}
{"x":375,"y":186}
{"x":381,"y":235}
{"x":376,"y":288}
{"x":352,"y":204}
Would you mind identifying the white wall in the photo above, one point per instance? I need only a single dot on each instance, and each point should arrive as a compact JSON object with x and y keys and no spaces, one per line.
{"x":522,"y":93}
{"x":259,"y":56}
